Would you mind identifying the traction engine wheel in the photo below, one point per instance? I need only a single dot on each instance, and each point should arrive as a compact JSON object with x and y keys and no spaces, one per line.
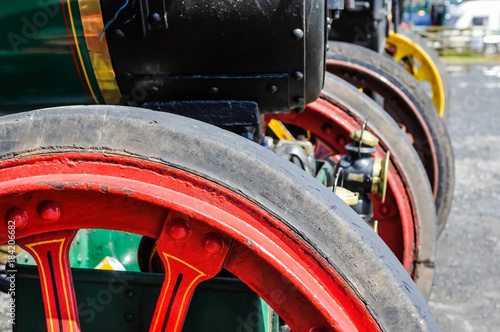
{"x":213,"y":200}
{"x":409,"y":49}
{"x":406,"y":220}
{"x":409,"y":106}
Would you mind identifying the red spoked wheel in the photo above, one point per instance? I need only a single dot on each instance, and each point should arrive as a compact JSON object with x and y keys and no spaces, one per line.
{"x":406,"y":220}
{"x":213,"y":200}
{"x":403,"y":99}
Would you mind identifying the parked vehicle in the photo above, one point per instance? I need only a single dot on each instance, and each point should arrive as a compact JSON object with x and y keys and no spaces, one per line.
{"x":146,"y":174}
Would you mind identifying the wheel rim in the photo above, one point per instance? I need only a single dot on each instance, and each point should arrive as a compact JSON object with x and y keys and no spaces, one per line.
{"x":406,"y":49}
{"x":399,"y":106}
{"x":331,"y":126}
{"x":51,"y":196}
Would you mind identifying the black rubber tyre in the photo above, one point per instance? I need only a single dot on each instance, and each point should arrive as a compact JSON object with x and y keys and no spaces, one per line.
{"x":437,"y":61}
{"x":435,"y":125}
{"x":393,"y":139}
{"x":336,"y":235}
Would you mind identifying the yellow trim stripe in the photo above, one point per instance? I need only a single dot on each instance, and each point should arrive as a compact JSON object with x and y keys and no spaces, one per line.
{"x":93,"y":25}
{"x":70,"y":318}
{"x":31,"y":246}
{"x":79,"y":52}
{"x":167,"y":278}
{"x":43,"y":277}
{"x":193,"y":282}
{"x":201,"y":274}
{"x":184,"y":300}
{"x":187,"y":264}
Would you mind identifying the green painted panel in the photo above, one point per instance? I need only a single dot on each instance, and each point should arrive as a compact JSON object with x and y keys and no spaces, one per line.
{"x":125,"y":301}
{"x":91,"y":246}
{"x":39,"y":66}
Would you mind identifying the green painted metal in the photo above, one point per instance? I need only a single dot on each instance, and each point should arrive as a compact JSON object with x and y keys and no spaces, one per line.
{"x":125,"y":301}
{"x":37,"y":66}
{"x":323,"y":169}
{"x":91,"y":246}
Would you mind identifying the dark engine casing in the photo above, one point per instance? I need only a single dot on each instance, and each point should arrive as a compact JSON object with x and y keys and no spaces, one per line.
{"x":364,"y":24}
{"x":267,"y":51}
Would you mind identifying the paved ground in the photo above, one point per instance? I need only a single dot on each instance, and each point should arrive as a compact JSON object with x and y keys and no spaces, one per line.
{"x":466,"y":296}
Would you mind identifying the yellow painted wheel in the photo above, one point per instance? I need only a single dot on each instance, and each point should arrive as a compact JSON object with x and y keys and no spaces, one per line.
{"x":420,"y":64}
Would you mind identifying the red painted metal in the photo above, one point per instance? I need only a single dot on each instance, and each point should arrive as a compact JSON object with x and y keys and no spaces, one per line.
{"x":18,"y":216}
{"x":49,"y":211}
{"x":331,"y":124}
{"x":213,"y":244}
{"x":178,"y":229}
{"x":186,"y":263}
{"x":398,"y":105}
{"x":96,"y":190}
{"x":318,"y":329}
{"x":50,"y":252}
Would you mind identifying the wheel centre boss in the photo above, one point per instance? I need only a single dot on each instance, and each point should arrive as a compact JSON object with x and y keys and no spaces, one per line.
{"x":268,"y":51}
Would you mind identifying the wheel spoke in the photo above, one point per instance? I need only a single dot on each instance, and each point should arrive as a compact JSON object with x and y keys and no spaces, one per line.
{"x":399,"y":55}
{"x":50,"y":252}
{"x":191,"y":252}
{"x":428,"y":70}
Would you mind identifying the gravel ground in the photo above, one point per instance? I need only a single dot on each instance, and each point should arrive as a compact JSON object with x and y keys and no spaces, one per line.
{"x":466,"y":295}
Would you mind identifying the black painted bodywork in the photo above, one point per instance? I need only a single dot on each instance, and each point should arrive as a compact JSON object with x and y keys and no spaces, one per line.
{"x":364,"y":23}
{"x":267,"y":51}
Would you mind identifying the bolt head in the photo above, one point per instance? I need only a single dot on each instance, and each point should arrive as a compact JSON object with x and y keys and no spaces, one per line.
{"x":327,"y":129}
{"x":18,"y":216}
{"x":384,"y":210}
{"x":341,"y":140}
{"x":179,"y":229}
{"x":49,"y":211}
{"x":129,"y":293}
{"x":213,"y":244}
{"x":298,"y":34}
{"x":154,"y":18}
{"x":298,"y":75}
